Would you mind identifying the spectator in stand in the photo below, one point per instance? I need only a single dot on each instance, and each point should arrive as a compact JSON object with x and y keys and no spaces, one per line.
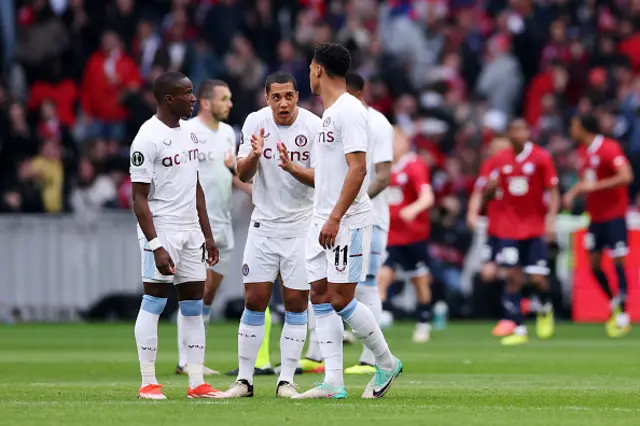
{"x":109,"y":73}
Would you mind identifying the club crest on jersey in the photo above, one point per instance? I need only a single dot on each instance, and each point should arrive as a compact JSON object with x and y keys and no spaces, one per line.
{"x":167,"y":142}
{"x":528,"y":168}
{"x":245,"y":269}
{"x":301,"y":140}
{"x":326,"y":122}
{"x":402,"y":178}
{"x":137,"y":159}
{"x":594,"y":161}
{"x":507,"y":169}
{"x":194,"y":138}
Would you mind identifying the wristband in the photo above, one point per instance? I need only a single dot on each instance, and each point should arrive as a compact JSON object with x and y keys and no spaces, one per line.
{"x":155,"y":244}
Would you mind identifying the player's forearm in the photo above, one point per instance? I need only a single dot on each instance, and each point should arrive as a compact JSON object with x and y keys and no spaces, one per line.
{"x":380,"y":180}
{"x":475,"y":204}
{"x":203,"y":217}
{"x":143,"y":213}
{"x":424,"y":201}
{"x":304,"y":175}
{"x":352,"y":184}
{"x":247,"y":167}
{"x":612,"y":182}
{"x":554,"y":202}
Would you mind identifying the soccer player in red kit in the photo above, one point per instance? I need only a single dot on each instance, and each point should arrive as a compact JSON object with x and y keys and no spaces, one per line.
{"x":523,"y":175}
{"x":490,"y":273}
{"x":605,"y":175}
{"x":410,"y":196}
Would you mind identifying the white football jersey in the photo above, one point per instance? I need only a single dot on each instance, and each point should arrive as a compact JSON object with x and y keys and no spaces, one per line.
{"x":380,"y":151}
{"x":215,"y":177}
{"x":344,"y":130}
{"x":283,"y":205}
{"x":167,"y":158}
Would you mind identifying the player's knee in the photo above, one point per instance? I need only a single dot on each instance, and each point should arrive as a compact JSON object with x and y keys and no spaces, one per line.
{"x":320,"y":294}
{"x":257,"y":301}
{"x":339,"y":302}
{"x":191,"y":308}
{"x":153,"y":305}
{"x":295,"y":301}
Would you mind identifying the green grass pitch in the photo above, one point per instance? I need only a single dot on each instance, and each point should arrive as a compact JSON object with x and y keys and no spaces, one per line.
{"x":88,"y":375}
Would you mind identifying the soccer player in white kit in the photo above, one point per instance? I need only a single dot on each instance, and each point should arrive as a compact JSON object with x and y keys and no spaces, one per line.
{"x":337,"y":247}
{"x":379,"y":158}
{"x":276,"y":151}
{"x":217,"y":156}
{"x":173,"y":231}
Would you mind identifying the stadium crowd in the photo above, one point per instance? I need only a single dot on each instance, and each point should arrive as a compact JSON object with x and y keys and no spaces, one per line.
{"x":76,"y":82}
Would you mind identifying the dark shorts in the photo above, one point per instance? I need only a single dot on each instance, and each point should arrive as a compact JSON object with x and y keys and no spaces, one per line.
{"x":411,"y":258}
{"x":490,"y":250}
{"x":530,"y":254}
{"x":611,"y":235}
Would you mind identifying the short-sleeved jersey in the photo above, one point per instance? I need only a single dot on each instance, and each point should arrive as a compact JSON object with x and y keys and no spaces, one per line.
{"x":409,"y":177}
{"x":380,"y":151}
{"x":601,"y":161}
{"x":523,"y":180}
{"x":167,"y":159}
{"x":215,"y":177}
{"x":344,"y":131}
{"x":283,"y":205}
{"x":493,"y":210}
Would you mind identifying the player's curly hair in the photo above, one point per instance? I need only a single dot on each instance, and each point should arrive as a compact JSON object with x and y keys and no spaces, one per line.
{"x":335,"y":58}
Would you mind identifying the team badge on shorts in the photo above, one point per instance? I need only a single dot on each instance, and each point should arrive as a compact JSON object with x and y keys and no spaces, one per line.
{"x":245,"y":269}
{"x":301,"y":140}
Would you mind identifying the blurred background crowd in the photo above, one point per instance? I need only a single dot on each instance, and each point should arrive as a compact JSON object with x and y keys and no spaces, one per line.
{"x":76,"y":78}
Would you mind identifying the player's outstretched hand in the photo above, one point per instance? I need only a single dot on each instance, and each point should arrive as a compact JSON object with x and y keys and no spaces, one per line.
{"x":257,"y":143}
{"x":408,"y":214}
{"x":328,"y":234}
{"x":164,"y":263}
{"x":285,"y":160}
{"x":212,"y":252}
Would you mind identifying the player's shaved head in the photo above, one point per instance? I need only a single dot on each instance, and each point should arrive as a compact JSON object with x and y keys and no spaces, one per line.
{"x":207,"y":88}
{"x":280,"y":77}
{"x":167,"y":84}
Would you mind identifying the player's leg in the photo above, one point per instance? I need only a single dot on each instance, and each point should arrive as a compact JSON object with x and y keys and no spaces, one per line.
{"x":619,"y":323}
{"x":312,"y":362}
{"x":295,"y":294}
{"x":367,"y":293}
{"x":594,"y":242}
{"x":329,"y":326}
{"x":414,"y":262}
{"x":537,"y":269}
{"x":387,"y":275}
{"x":512,"y":297}
{"x":154,"y":300}
{"x":260,"y":269}
{"x":212,"y":282}
{"x":189,"y":280}
{"x":491,"y":274}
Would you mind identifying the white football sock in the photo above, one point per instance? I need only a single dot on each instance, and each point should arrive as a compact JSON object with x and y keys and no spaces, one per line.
{"x":369,"y":296}
{"x":365,"y":327}
{"x":330,"y":330}
{"x":313,"y":350}
{"x":182,"y":355}
{"x":146,"y":333}
{"x":191,"y":327}
{"x":294,"y":333}
{"x":250,"y":337}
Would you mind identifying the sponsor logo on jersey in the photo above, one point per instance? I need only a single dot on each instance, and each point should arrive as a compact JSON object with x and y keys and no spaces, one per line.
{"x":167,"y":142}
{"x":180,"y":158}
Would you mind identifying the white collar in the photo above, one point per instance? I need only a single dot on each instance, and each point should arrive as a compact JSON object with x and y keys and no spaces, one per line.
{"x":595,"y":144}
{"x":528,"y":147}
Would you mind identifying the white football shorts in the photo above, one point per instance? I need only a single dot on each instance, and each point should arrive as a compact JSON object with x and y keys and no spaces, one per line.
{"x":265,"y":256}
{"x":223,"y":235}
{"x":347,"y":262}
{"x":187,"y":251}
